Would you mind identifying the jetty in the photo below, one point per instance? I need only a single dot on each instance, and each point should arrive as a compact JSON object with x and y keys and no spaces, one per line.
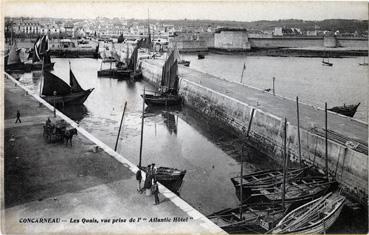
{"x":87,"y":187}
{"x":233,"y":105}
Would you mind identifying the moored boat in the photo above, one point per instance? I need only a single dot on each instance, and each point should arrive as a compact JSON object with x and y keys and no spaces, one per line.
{"x":201,"y":56}
{"x":347,"y":110}
{"x":313,"y":217}
{"x":326,"y":63}
{"x":56,"y":91}
{"x":41,"y":55}
{"x":13,"y":61}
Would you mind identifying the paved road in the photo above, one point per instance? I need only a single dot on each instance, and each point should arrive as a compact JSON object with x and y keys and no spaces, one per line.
{"x":50,"y":180}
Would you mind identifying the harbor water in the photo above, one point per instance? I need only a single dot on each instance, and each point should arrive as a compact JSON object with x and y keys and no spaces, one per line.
{"x":185,"y":140}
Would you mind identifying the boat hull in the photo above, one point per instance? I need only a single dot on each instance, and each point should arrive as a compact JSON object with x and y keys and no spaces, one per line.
{"x":73,"y":98}
{"x":18,"y":68}
{"x":38,"y":66}
{"x":169,"y":177}
{"x":348,"y":110}
{"x":162,"y":100}
{"x":120,"y":74}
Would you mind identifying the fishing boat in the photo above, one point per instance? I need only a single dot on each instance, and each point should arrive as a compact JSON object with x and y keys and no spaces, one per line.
{"x":364,"y":63}
{"x":168,"y":94}
{"x":121,"y":70}
{"x":41,"y":54}
{"x":258,"y":217}
{"x":266,"y":179}
{"x":347,"y":110}
{"x":13,"y":61}
{"x":326,"y":63}
{"x":172,"y":178}
{"x":55,"y":90}
{"x":200,"y":56}
{"x":313,"y":217}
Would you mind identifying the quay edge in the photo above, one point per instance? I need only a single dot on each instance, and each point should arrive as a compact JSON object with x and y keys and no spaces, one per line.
{"x":199,"y":221}
{"x":214,"y":98}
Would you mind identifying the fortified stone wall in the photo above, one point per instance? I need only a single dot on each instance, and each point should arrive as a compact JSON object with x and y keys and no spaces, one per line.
{"x":232,"y":40}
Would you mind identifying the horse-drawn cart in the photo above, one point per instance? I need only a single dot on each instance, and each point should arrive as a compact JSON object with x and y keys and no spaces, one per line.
{"x":58,"y":131}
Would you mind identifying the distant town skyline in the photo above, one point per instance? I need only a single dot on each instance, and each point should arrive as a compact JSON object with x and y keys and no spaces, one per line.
{"x":175,"y":10}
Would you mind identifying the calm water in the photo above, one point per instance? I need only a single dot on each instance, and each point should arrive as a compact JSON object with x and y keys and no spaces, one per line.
{"x":344,"y":82}
{"x":174,"y":138}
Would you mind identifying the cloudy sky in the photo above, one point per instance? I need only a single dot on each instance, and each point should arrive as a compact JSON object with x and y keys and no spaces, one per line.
{"x":215,"y":10}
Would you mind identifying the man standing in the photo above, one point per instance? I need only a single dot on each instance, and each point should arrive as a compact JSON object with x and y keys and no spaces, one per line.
{"x":139,"y":178}
{"x":18,"y":117}
{"x":155,"y":190}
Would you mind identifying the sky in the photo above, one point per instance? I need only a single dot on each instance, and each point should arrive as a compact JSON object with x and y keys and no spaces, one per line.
{"x":214,"y":10}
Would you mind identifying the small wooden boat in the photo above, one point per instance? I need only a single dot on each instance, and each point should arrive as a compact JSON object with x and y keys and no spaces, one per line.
{"x":297,"y":190}
{"x":200,"y":56}
{"x":258,"y":217}
{"x":313,"y":217}
{"x":13,"y":61}
{"x":347,"y":110}
{"x":326,"y":63}
{"x":364,"y":63}
{"x":41,"y":55}
{"x":171,"y":178}
{"x":164,"y":99}
{"x":264,"y":179}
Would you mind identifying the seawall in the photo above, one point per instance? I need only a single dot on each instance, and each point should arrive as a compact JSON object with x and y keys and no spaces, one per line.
{"x":232,"y":104}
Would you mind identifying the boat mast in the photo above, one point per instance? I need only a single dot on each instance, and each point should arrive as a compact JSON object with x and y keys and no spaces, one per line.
{"x":42,"y":76}
{"x":148,"y":29}
{"x":284,"y":164}
{"x":142,"y":126}
{"x":326,"y":141}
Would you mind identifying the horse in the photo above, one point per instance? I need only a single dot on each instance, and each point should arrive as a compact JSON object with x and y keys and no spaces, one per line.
{"x":68,"y":135}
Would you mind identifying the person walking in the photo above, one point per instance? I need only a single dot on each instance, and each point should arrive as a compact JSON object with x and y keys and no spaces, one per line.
{"x":18,"y":117}
{"x":139,"y":179}
{"x":155,"y":190}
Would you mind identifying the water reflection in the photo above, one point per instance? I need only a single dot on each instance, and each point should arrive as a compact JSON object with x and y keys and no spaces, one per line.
{"x":74,"y":112}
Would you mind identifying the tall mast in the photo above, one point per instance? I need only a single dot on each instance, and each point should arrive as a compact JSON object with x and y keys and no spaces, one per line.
{"x":142,"y":126}
{"x":148,"y":27}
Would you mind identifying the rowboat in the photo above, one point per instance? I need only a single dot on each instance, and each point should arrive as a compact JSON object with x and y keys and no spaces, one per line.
{"x":266,"y":178}
{"x":313,"y":217}
{"x":297,"y":190}
{"x":259,"y":217}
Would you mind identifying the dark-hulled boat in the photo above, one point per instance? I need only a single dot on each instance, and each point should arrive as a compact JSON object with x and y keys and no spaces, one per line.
{"x":200,"y":56}
{"x":171,"y":178}
{"x":326,"y":63}
{"x":168,"y":96}
{"x":56,"y":91}
{"x":347,"y":110}
{"x":184,"y":62}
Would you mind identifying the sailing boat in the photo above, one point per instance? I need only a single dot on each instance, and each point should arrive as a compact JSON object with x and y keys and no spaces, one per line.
{"x":41,"y":54}
{"x":365,"y":63}
{"x":13,"y":61}
{"x":55,"y":90}
{"x":347,"y":110}
{"x":122,"y":72}
{"x":181,"y":61}
{"x":326,"y":63}
{"x":171,"y":178}
{"x":169,"y":85}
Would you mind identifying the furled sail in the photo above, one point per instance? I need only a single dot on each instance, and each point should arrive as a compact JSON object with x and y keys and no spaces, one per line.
{"x":169,"y":71}
{"x":75,"y":87}
{"x":13,"y":57}
{"x":133,"y":61}
{"x":41,"y":50}
{"x":53,"y":83}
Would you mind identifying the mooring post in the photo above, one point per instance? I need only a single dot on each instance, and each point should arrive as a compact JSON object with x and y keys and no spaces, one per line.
{"x":120,"y":126}
{"x":273,"y":86}
{"x":298,"y":127}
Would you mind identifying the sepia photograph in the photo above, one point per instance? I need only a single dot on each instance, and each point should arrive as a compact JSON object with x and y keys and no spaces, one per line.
{"x":183,"y":117}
